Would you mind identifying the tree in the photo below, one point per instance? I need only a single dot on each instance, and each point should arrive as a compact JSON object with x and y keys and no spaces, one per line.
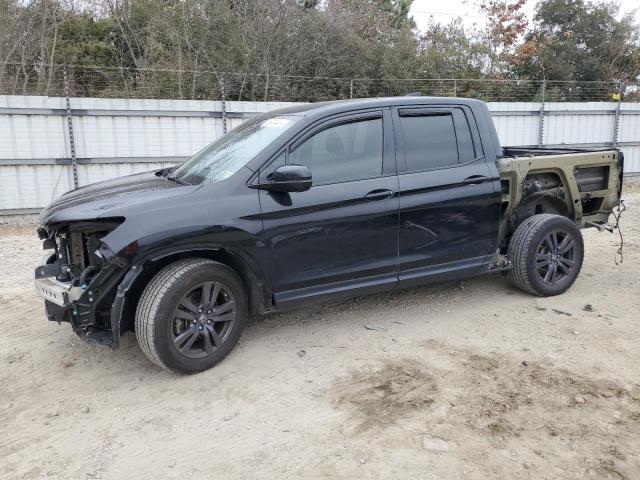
{"x":506,"y":24}
{"x":399,"y":10}
{"x":301,"y":49}
{"x":28,"y":41}
{"x":581,"y":41}
{"x":450,"y":51}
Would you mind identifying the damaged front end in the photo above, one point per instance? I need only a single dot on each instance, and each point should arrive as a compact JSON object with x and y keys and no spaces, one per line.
{"x":78,"y":279}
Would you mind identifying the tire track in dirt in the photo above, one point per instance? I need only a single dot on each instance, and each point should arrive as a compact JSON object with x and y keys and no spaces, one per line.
{"x":503,"y":402}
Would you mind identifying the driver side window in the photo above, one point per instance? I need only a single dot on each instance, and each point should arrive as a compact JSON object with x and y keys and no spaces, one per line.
{"x":342,"y":153}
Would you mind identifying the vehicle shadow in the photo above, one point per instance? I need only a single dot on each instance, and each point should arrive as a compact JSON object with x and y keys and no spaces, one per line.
{"x":354,"y":310}
{"x":388,"y":303}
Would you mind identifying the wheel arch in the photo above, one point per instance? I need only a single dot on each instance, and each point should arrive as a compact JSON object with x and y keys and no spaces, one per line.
{"x":129,"y":291}
{"x":542,"y":191}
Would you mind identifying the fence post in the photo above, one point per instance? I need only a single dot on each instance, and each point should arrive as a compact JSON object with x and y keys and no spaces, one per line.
{"x":541,"y":115}
{"x":72,"y":146}
{"x":351,"y":88}
{"x":455,"y":88}
{"x":223,"y":106}
{"x":616,"y":122}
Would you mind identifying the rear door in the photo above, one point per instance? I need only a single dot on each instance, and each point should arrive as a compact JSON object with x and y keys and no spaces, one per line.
{"x":342,"y":234}
{"x":449,"y":210}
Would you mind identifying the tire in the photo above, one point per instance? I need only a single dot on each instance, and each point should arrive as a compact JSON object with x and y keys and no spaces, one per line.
{"x":541,"y":245}
{"x":175,"y":315}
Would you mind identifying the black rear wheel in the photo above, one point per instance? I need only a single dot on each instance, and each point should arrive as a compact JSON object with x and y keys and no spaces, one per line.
{"x":191,"y":315}
{"x":546,"y":252}
{"x":555,"y":257}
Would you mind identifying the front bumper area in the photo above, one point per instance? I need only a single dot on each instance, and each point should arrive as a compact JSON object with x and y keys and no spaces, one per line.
{"x":58,"y":297}
{"x":57,"y":292}
{"x":79,"y":283}
{"x":56,"y":313}
{"x":96,"y":311}
{"x":87,"y":310}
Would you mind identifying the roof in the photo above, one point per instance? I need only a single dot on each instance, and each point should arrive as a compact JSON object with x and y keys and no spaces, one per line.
{"x":338,"y":106}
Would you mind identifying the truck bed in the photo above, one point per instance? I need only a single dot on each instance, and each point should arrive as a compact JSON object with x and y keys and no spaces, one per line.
{"x":544,"y":151}
{"x":584,"y":185}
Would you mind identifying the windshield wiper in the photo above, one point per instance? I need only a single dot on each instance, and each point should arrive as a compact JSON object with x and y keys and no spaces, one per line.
{"x":177,"y":180}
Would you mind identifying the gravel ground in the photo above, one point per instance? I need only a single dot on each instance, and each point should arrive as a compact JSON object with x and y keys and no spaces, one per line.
{"x":468,"y":380}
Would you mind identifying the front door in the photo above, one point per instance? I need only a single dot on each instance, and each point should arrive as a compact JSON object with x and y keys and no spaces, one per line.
{"x":342,"y":233}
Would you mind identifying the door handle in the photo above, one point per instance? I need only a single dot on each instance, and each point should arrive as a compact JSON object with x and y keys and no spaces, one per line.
{"x":475,"y":180}
{"x":379,"y":194}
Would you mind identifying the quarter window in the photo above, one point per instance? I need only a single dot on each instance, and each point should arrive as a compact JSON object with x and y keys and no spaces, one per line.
{"x":269,"y":169}
{"x":466,"y":148}
{"x":342,"y":153}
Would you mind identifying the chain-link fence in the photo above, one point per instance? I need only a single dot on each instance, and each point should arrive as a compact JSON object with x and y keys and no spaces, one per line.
{"x":109,"y":82}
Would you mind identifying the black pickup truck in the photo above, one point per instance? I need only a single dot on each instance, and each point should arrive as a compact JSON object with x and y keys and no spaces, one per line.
{"x":314,"y":202}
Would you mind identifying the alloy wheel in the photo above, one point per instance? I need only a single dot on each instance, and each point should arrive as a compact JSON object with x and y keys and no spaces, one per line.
{"x":203,"y":319}
{"x":555,"y":257}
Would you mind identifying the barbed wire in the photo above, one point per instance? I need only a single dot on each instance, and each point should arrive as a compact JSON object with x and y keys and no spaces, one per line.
{"x":223,"y":72}
{"x":158,"y":83}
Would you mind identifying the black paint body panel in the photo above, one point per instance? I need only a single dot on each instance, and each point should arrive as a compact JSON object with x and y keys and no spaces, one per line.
{"x":332,"y":240}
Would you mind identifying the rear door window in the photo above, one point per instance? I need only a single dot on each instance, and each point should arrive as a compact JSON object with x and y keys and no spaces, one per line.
{"x":435,"y":138}
{"x":429,"y":141}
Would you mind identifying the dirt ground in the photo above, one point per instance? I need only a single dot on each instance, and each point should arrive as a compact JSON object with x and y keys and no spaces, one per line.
{"x":468,"y":380}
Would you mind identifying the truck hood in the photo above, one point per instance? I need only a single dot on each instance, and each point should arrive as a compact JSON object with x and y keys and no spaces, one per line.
{"x":111,"y":198}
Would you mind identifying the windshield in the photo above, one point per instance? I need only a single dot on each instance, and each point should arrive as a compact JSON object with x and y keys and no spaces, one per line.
{"x":232,"y":151}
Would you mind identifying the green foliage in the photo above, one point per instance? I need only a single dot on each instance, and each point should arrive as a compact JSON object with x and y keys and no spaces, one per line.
{"x":399,"y":10}
{"x":87,"y":40}
{"x":506,"y":24}
{"x":306,"y":49}
{"x":582,"y":41}
{"x":448,"y":51}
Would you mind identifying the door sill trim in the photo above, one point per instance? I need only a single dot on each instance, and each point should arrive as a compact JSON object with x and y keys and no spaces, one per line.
{"x":442,"y":272}
{"x":360,"y":286}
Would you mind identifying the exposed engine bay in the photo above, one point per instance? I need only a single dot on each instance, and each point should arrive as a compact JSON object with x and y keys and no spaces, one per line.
{"x":66,"y":278}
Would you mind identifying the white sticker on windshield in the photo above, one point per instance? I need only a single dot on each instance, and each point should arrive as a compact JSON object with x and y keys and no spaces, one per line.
{"x":276,"y":122}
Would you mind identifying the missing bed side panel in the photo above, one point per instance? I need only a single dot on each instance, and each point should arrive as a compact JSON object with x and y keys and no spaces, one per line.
{"x":591,"y":179}
{"x":591,"y":205}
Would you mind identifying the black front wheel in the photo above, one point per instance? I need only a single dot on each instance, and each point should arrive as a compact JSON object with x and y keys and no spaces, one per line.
{"x":546,"y":252}
{"x":191,"y":315}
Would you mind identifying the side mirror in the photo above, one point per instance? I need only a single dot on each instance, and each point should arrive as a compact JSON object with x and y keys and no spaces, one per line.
{"x":288,"y":178}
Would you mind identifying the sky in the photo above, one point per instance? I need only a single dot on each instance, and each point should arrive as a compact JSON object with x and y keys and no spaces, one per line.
{"x":444,"y":11}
